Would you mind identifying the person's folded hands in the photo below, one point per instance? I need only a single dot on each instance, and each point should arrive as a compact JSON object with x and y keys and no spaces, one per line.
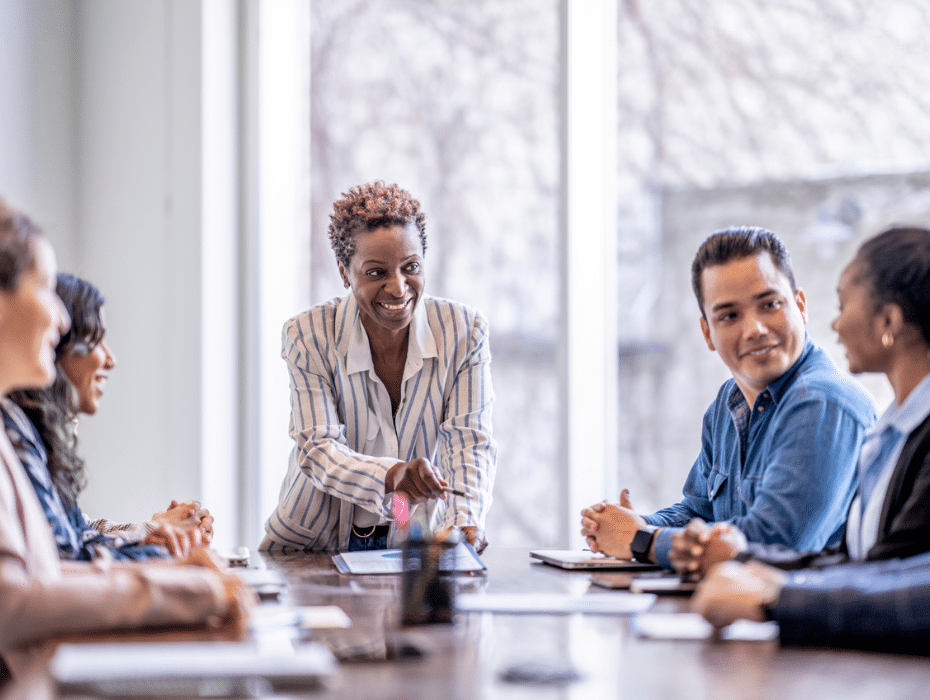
{"x":698,"y":546}
{"x":179,"y":540}
{"x":187,"y":514}
{"x":609,"y":527}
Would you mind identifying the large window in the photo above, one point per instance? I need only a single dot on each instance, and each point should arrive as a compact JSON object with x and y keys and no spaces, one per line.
{"x":806,"y":118}
{"x":458,"y":103}
{"x":801,"y":117}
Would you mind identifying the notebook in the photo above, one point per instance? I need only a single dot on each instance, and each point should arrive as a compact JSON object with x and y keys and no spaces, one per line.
{"x":583,"y":559}
{"x":191,"y":669}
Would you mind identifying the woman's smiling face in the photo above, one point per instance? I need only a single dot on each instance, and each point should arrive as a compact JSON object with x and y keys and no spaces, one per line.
{"x":88,"y":370}
{"x":387,"y":278}
{"x":858,"y":324}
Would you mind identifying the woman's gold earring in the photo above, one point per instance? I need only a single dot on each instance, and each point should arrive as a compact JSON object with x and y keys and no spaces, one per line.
{"x":887,"y":340}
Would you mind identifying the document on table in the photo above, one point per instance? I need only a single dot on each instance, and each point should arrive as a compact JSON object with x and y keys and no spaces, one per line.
{"x":319,"y":617}
{"x":685,"y":626}
{"x":210,"y":669}
{"x":556,"y":603}
{"x":391,"y":561}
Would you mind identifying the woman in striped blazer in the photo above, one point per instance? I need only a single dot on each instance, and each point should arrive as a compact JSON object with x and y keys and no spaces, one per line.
{"x":390,"y":394}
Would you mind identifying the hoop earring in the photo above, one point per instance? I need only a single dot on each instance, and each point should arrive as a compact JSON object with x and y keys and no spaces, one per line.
{"x":887,"y":340}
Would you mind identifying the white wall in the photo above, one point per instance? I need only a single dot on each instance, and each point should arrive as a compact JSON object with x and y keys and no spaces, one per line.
{"x":118,"y":129}
{"x":38,"y":104}
{"x":149,"y":189}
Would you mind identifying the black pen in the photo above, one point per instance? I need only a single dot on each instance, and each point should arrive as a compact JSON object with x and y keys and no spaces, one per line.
{"x":449,"y":489}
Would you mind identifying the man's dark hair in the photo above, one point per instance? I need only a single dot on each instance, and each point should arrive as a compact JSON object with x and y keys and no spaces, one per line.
{"x":736,"y":243}
{"x":896,"y":266}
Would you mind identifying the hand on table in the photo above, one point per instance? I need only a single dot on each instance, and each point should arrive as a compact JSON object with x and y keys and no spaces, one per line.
{"x":188,"y":514}
{"x":240,"y":600}
{"x":475,"y":538}
{"x":239,"y":597}
{"x":733,"y":591}
{"x":610,"y":527}
{"x":416,"y":480}
{"x":697,"y":547}
{"x":178,"y":540}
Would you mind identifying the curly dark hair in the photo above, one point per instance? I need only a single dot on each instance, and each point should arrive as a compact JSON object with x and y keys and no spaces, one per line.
{"x":52,"y":411}
{"x":368,"y":207}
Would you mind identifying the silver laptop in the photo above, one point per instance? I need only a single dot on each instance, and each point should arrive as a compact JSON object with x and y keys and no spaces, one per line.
{"x":188,"y":669}
{"x":580,"y":559}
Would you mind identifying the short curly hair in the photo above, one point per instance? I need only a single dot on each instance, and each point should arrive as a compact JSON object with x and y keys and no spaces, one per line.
{"x":368,"y":207}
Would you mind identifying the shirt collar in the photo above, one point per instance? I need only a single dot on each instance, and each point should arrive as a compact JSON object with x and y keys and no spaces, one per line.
{"x":908,"y":415}
{"x":352,"y":340}
{"x":777,"y":387}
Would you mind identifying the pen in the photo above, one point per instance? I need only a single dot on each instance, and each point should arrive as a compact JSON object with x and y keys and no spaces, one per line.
{"x":449,"y":489}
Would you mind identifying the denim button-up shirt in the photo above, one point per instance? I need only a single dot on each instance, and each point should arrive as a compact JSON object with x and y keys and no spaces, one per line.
{"x":783,"y":472}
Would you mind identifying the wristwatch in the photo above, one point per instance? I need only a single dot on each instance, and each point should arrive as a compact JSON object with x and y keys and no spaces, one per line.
{"x":642,"y":543}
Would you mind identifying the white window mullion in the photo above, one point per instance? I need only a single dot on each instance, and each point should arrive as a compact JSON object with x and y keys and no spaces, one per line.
{"x":589,"y":262}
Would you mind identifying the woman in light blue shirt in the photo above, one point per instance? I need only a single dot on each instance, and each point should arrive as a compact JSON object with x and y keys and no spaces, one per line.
{"x":390,"y":394}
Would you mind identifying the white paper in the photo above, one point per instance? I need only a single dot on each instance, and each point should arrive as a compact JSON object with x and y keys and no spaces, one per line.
{"x":307,"y":617}
{"x":685,"y":626}
{"x":257,"y":578}
{"x":594,"y":603}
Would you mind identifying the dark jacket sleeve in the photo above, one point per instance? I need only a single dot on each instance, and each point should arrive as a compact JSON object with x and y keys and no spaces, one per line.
{"x":905,"y":519}
{"x":880,"y":606}
{"x":782,"y":557}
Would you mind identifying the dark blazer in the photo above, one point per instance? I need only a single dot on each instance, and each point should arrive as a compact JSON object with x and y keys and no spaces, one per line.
{"x":880,"y":606}
{"x":904,"y":525}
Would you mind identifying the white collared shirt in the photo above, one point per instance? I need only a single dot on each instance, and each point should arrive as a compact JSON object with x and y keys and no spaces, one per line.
{"x":381,"y":437}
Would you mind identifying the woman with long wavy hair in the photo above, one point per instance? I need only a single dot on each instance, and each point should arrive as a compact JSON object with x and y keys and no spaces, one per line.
{"x":41,"y":596}
{"x":42,"y":428}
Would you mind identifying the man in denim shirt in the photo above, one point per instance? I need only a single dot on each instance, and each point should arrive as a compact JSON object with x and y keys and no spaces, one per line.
{"x":780,"y":443}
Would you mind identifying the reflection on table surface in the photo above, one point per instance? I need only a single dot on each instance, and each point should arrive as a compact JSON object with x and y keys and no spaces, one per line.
{"x":597,"y":657}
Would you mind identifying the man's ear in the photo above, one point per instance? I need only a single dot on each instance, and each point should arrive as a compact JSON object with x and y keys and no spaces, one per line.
{"x":801,"y":301}
{"x":705,"y":329}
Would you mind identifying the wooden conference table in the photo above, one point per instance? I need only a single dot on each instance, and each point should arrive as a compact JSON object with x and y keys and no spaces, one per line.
{"x":469,"y":658}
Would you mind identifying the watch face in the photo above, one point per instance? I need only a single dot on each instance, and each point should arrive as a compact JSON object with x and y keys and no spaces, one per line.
{"x":642,"y":541}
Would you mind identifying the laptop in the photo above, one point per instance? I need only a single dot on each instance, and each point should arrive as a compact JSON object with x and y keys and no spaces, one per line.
{"x":583,"y":560}
{"x":188,"y":669}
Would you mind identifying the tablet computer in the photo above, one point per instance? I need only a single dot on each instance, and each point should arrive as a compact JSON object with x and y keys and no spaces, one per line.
{"x":582,"y":559}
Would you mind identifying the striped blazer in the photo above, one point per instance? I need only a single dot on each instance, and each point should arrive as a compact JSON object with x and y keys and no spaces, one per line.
{"x":444,"y":416}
